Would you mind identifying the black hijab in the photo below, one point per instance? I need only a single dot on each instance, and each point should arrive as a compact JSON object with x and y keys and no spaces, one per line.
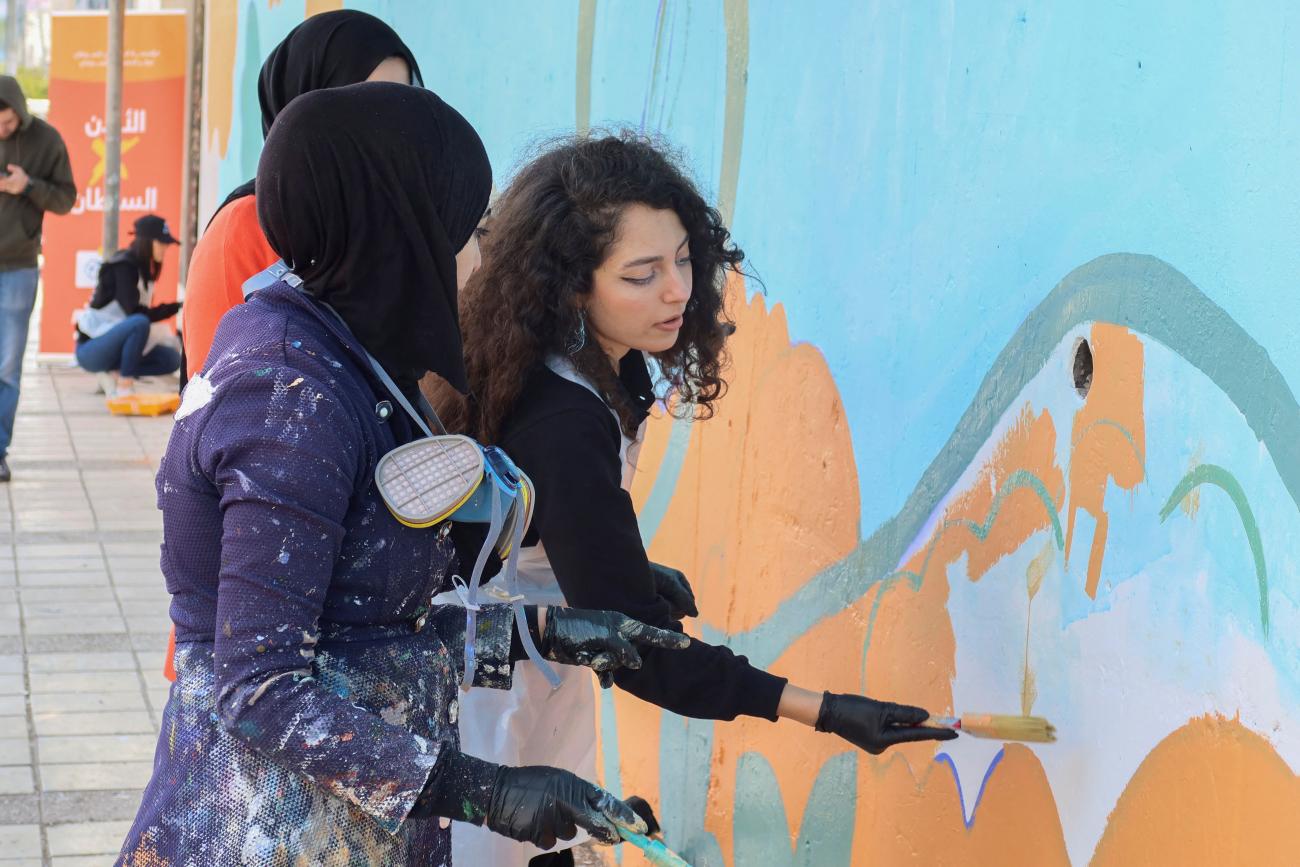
{"x":368,"y":192}
{"x":332,"y":49}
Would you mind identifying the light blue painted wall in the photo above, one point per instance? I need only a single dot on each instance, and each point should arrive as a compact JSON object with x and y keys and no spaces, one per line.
{"x":915,"y":177}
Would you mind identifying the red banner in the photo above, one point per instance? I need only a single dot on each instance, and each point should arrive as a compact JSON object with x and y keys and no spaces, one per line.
{"x":153,"y":103}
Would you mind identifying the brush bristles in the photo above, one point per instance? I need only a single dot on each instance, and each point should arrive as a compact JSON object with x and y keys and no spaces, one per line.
{"x":1004,"y":727}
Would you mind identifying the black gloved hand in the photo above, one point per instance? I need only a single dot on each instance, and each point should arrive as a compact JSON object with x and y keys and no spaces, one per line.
{"x":601,"y":640}
{"x":876,"y":725}
{"x":542,"y":805}
{"x":675,"y":590}
{"x":642,"y":808}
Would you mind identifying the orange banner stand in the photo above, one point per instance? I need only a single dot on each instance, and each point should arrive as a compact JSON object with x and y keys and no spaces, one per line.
{"x":153,"y":107}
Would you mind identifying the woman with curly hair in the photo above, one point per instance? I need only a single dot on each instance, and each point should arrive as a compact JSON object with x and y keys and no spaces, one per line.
{"x":602,"y":264}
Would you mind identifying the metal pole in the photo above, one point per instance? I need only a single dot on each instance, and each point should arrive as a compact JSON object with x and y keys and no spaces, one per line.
{"x":193,"y":139}
{"x":13,"y":34}
{"x":113,"y":118}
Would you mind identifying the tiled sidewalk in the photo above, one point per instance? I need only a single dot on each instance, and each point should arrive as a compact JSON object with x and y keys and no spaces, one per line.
{"x":83,"y":622}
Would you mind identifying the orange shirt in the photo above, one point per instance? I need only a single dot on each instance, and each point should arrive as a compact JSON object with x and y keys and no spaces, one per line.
{"x":230,"y":251}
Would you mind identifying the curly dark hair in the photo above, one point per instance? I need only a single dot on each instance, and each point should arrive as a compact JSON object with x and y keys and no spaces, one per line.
{"x":549,"y":231}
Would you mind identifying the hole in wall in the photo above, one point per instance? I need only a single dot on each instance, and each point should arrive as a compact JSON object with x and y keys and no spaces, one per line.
{"x":1082,"y":368}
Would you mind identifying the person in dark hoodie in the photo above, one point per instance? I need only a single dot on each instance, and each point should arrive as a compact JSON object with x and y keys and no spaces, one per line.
{"x":35,"y":177}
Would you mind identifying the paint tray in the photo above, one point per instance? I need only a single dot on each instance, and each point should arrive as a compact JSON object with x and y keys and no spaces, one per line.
{"x":144,"y":404}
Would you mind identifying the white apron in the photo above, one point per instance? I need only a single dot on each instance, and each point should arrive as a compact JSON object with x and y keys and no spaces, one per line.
{"x":530,"y":724}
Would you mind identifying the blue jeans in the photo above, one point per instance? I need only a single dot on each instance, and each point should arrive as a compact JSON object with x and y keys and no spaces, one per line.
{"x":121,"y":348}
{"x":17,"y":298}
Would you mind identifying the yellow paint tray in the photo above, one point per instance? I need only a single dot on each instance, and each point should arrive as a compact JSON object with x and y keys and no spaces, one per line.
{"x":144,"y":404}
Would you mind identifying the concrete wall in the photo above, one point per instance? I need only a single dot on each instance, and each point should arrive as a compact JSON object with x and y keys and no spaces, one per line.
{"x":913,"y":489}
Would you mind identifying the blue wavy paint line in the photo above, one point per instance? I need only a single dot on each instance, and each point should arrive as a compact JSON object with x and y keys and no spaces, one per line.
{"x":665,"y":484}
{"x":609,"y":739}
{"x":945,"y":759}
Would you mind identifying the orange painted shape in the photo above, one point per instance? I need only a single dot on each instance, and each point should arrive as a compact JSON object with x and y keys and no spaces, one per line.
{"x":767,"y":495}
{"x":315,"y":7}
{"x":1030,"y":446}
{"x":1100,"y":450}
{"x":1212,"y":793}
{"x":222,"y":35}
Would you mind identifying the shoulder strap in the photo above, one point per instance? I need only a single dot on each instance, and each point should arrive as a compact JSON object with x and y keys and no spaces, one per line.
{"x":281,"y":272}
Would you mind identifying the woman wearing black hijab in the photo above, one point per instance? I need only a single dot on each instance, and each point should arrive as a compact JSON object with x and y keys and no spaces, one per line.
{"x":313,"y":718}
{"x":332,"y":49}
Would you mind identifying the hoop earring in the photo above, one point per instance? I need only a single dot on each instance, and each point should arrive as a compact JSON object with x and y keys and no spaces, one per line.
{"x":578,"y":339}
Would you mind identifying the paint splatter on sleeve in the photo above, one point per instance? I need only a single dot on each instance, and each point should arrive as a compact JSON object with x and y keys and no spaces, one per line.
{"x":495,"y":628}
{"x":285,"y":457}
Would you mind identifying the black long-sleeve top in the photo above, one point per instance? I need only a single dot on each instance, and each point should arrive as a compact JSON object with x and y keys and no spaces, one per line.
{"x":120,"y":280}
{"x":568,"y":442}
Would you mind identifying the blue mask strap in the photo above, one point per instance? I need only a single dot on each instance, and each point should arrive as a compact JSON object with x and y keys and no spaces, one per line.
{"x":471,"y":596}
{"x":512,"y":588}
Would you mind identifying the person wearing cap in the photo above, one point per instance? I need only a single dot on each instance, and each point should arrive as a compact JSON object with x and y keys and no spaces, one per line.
{"x":116,"y":332}
{"x":35,"y":177}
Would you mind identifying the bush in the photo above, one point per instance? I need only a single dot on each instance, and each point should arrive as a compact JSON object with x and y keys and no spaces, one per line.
{"x":34,"y":82}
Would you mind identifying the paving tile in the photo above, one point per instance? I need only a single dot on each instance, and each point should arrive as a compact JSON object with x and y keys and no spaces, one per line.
{"x":85,"y":702}
{"x":96,"y":748}
{"x":12,"y":664}
{"x":70,"y":610}
{"x":158,"y":698}
{"x":16,"y":780}
{"x":92,"y":681}
{"x":133,"y":548}
{"x":60,"y":564}
{"x":81,"y":662}
{"x":13,"y":726}
{"x":26,"y":552}
{"x":90,"y":642}
{"x":15,"y":751}
{"x":72,"y":625}
{"x":155,"y":642}
{"x":63,"y":579}
{"x":13,"y":705}
{"x":19,"y":841}
{"x":12,"y":684}
{"x":150,"y":625}
{"x":70,"y":595}
{"x":105,"y":723}
{"x":152,"y":578}
{"x":86,"y":838}
{"x":83,"y":777}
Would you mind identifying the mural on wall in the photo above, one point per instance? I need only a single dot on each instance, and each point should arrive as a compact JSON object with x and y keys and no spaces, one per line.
{"x":936,"y":478}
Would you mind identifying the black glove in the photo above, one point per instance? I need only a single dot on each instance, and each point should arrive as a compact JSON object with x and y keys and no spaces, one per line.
{"x":675,"y":590}
{"x":642,"y":808}
{"x":542,"y":805}
{"x":601,"y":640}
{"x":538,"y":805}
{"x":876,"y":725}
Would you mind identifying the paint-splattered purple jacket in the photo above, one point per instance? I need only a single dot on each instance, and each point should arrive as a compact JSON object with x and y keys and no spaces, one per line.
{"x":316,"y":689}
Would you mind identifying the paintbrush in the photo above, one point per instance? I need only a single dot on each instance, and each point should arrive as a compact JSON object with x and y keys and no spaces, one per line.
{"x":657,"y":853}
{"x":999,"y":727}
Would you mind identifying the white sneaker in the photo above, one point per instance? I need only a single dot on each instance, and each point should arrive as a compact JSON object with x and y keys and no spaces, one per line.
{"x":105,"y":384}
